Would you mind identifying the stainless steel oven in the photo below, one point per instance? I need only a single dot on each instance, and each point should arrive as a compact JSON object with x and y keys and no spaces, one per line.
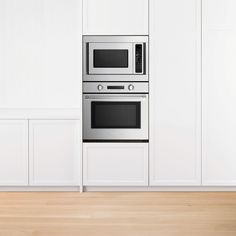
{"x":115,"y":111}
{"x":113,"y":58}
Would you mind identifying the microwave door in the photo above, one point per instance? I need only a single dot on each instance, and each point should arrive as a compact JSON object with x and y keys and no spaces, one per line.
{"x":110,"y":58}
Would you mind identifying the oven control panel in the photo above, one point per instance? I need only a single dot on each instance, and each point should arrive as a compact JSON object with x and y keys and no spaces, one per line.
{"x":115,"y":87}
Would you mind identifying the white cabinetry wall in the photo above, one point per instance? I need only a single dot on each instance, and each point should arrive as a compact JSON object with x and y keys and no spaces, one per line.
{"x":175,"y":92}
{"x":115,"y":17}
{"x":219,"y":92}
{"x":41,"y":76}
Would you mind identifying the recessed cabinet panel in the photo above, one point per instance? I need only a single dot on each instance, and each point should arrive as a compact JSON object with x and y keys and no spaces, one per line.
{"x":219,"y":14}
{"x":219,"y":92}
{"x":115,"y":164}
{"x":13,"y":153}
{"x":40,"y":53}
{"x":115,"y":17}
{"x":175,"y":92}
{"x":55,"y":152}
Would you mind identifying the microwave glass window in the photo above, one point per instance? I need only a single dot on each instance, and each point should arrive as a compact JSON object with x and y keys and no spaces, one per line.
{"x":110,"y":58}
{"x":116,"y":115}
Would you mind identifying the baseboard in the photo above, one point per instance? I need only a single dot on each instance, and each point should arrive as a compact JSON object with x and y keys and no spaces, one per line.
{"x":161,"y":189}
{"x":119,"y":189}
{"x":39,"y":189}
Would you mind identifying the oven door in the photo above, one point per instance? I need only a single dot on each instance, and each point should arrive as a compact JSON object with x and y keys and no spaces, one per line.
{"x":110,"y":58}
{"x":109,"y":117}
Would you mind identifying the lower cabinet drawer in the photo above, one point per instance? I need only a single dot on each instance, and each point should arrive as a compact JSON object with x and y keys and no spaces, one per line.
{"x":115,"y":164}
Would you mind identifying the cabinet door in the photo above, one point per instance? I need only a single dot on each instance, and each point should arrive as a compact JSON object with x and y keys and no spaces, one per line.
{"x":175,"y":92}
{"x":13,"y":152}
{"x":40,"y":53}
{"x":219,"y":92}
{"x":115,"y":164}
{"x":115,"y":17}
{"x":55,"y":148}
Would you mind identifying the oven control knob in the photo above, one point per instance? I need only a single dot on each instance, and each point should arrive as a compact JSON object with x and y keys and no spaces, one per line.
{"x":131,"y":87}
{"x":100,"y":87}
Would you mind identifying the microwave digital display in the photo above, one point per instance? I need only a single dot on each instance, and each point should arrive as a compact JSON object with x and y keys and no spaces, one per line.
{"x":110,"y":58}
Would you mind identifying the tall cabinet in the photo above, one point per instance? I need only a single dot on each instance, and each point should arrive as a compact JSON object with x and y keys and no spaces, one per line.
{"x":219,"y":92}
{"x":40,"y":92}
{"x":175,"y":92}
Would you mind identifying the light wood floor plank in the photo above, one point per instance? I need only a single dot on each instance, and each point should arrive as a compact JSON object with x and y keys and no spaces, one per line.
{"x":118,"y":214}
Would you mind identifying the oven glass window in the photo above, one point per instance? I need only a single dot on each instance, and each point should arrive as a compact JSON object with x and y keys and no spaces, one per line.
{"x":116,"y":115}
{"x":110,"y":58}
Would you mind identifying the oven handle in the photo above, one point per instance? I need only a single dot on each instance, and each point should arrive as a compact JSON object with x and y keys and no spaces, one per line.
{"x":115,"y":97}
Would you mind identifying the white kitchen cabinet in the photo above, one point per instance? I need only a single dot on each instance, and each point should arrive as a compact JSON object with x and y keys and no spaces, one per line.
{"x":175,"y":92}
{"x":219,"y":92}
{"x":13,"y":152}
{"x":40,"y":53}
{"x":115,"y":17}
{"x":115,"y":164}
{"x":55,"y":148}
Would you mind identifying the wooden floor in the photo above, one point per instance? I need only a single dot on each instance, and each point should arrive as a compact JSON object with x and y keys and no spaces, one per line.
{"x":113,"y":214}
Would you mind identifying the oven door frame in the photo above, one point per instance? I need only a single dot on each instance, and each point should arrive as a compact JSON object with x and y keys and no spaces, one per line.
{"x":111,"y":134}
{"x":110,"y":46}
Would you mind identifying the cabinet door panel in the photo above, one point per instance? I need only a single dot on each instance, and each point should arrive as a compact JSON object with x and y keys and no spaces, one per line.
{"x":219,"y":97}
{"x":55,"y":148}
{"x":40,"y":53}
{"x":13,"y":152}
{"x":112,"y":17}
{"x":175,"y":92}
{"x":115,"y":164}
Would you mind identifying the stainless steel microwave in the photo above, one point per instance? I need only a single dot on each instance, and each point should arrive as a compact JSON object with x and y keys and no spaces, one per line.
{"x":115,"y":58}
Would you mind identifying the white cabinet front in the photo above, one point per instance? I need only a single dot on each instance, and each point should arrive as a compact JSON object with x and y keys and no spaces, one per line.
{"x":115,"y":164}
{"x":175,"y":92}
{"x":40,"y":53}
{"x":219,"y":92}
{"x":13,"y":152}
{"x":54,"y":150}
{"x":115,"y":17}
